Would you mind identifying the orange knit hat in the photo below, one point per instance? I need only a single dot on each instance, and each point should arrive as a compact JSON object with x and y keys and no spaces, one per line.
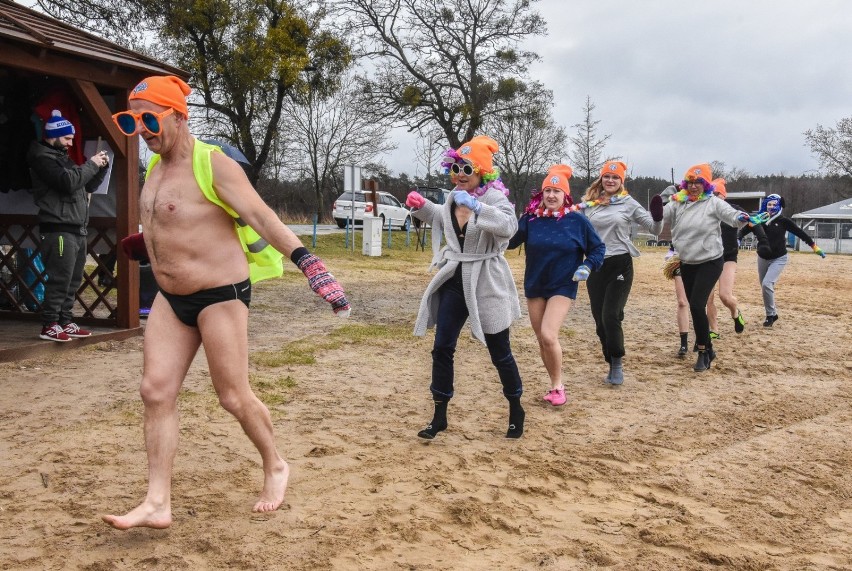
{"x":617,"y":168}
{"x":719,"y":187}
{"x":165,"y":90}
{"x":479,"y":151}
{"x":699,"y":171}
{"x":557,"y":177}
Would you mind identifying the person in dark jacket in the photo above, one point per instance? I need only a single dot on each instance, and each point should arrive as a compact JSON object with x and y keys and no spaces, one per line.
{"x":730,"y":249}
{"x":772,"y":249}
{"x":61,"y":190}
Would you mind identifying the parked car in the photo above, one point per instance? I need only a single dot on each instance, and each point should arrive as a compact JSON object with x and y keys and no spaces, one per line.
{"x":390,"y":210}
{"x":433,"y":194}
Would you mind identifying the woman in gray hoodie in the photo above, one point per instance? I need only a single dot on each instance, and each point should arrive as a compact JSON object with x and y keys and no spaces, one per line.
{"x":694,"y":214}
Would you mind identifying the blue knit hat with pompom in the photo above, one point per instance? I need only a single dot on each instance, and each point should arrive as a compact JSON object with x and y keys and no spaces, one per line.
{"x":57,"y":126}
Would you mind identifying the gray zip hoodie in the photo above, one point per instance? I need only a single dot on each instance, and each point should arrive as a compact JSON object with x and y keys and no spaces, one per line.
{"x":696,"y":234}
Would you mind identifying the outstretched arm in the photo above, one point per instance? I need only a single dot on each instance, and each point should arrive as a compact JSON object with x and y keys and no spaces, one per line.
{"x":234,"y":188}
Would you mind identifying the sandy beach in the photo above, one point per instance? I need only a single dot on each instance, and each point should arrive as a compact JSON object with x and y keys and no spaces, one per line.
{"x":746,"y":466}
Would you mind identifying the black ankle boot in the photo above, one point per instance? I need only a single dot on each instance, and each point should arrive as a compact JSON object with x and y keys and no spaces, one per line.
{"x":516,"y":418}
{"x":439,"y":421}
{"x":705,"y":356}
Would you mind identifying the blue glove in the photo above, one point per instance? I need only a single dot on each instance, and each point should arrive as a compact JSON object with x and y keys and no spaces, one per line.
{"x":465,"y":199}
{"x":743,"y":217}
{"x":582,"y":273}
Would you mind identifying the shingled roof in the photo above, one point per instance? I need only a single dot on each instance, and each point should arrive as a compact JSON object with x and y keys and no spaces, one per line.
{"x":39,"y":33}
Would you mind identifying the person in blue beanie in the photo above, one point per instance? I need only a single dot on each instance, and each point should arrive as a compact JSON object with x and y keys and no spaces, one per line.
{"x":61,"y":189}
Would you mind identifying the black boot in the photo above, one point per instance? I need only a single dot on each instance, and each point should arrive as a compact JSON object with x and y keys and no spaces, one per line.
{"x":705,"y":357}
{"x":516,"y":418}
{"x":439,"y":421}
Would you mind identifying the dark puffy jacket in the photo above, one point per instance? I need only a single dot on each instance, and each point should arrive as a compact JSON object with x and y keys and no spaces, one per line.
{"x":60,"y":187}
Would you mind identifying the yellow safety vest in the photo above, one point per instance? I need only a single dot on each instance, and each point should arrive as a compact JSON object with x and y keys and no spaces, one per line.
{"x":264,"y":261}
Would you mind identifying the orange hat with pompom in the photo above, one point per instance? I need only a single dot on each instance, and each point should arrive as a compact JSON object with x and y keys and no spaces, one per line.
{"x":479,"y":152}
{"x":557,"y":177}
{"x":165,"y":90}
{"x":617,"y":168}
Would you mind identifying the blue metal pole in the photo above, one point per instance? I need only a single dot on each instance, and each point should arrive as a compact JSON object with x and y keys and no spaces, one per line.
{"x":346,"y":244}
{"x":390,"y":227}
{"x":314,"y":243}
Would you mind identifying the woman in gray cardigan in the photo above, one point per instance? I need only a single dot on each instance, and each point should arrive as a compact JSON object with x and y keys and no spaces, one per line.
{"x":473,"y":281}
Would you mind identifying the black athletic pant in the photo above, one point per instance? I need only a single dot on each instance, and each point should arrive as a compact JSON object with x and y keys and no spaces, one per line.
{"x":608,"y":290}
{"x":64,"y":256}
{"x":698,"y":281}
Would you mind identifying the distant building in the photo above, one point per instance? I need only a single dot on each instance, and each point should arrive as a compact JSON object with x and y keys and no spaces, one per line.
{"x":830,"y":226}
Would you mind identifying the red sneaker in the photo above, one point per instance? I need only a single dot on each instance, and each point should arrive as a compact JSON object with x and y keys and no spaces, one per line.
{"x":54,"y":332}
{"x":75,"y":331}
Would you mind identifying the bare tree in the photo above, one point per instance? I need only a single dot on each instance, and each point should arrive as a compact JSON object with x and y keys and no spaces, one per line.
{"x":244,"y":57}
{"x":530,"y":141}
{"x":428,"y":150}
{"x":832,"y":147}
{"x":444,"y":62}
{"x":721,"y":170}
{"x":588,"y":147}
{"x":326,"y":133}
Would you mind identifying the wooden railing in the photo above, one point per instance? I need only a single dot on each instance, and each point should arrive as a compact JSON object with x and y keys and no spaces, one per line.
{"x":21,"y":276}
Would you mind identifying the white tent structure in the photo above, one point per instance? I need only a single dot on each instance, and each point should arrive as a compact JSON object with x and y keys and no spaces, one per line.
{"x":830,"y":226}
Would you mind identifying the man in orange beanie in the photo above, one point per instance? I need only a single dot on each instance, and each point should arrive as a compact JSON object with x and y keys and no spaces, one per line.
{"x":190,"y":202}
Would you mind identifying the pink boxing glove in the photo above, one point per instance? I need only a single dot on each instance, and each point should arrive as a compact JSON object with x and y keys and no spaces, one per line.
{"x":414,"y":200}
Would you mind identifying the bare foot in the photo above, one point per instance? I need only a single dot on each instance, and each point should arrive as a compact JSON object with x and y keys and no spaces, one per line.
{"x":274,"y":486}
{"x":144,"y":515}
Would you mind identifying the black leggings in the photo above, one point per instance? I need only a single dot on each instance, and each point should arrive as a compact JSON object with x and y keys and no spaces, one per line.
{"x":608,"y":290}
{"x":698,"y":281}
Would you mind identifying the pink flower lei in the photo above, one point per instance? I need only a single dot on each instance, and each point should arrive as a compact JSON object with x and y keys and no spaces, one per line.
{"x":535,"y":207}
{"x":489,"y":180}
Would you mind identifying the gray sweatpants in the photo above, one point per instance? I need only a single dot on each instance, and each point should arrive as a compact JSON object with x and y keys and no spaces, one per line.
{"x":768,"y":272}
{"x":64,"y":257}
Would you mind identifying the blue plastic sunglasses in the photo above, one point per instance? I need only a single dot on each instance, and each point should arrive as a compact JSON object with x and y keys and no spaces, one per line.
{"x":127,"y":121}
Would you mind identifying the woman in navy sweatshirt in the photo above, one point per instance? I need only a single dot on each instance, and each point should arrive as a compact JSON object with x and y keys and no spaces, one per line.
{"x":562,"y":248}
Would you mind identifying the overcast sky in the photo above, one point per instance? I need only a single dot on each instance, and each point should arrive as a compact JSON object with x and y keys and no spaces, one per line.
{"x":677,"y":83}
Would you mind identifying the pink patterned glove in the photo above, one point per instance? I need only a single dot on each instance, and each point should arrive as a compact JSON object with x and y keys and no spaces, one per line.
{"x":324,"y":284}
{"x":414,"y":200}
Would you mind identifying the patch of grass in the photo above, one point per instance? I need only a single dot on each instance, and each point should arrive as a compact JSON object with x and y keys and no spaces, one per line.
{"x":303,"y":351}
{"x":272,"y":390}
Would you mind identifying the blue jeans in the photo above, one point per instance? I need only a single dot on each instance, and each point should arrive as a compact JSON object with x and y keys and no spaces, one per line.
{"x":452,"y":314}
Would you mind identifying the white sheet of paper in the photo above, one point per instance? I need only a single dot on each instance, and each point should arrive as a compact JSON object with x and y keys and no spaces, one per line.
{"x":90,"y":149}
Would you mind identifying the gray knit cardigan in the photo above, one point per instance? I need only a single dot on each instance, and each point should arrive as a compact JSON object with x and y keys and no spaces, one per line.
{"x":489,"y":288}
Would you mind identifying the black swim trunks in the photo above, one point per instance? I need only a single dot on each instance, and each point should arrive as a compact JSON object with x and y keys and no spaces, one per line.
{"x":187,"y":307}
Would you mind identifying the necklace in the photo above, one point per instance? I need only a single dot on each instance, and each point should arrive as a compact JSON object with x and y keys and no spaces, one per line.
{"x":612,"y":200}
{"x":683,"y":196}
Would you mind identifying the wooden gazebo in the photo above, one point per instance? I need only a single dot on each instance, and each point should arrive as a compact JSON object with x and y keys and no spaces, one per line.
{"x":37,"y":51}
